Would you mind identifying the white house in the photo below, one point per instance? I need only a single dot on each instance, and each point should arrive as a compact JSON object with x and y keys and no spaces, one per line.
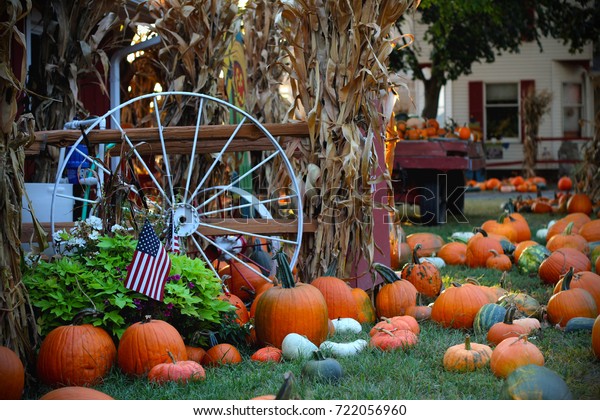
{"x":492,"y":95}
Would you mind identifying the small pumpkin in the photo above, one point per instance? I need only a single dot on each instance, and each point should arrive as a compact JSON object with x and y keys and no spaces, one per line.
{"x":347,"y":325}
{"x":424,"y":275}
{"x":351,"y":348}
{"x":534,"y":382}
{"x":296,"y":346}
{"x":195,"y":353}
{"x":176,"y":371}
{"x":396,"y":295}
{"x":531,"y":258}
{"x":505,"y":329}
{"x":12,"y":375}
{"x":453,"y":253}
{"x":267,"y":354}
{"x":497,"y":261}
{"x":390,"y":340}
{"x":512,"y":353}
{"x":579,"y":203}
{"x":222,"y":354}
{"x":467,"y":356}
{"x":322,"y":369}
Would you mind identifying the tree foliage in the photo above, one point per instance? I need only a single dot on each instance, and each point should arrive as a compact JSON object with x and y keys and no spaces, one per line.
{"x":461,"y":33}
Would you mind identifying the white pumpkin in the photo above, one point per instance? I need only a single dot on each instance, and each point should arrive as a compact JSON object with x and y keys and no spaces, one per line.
{"x":437,"y":261}
{"x":296,"y":346}
{"x":462,"y":236}
{"x":344,"y":325}
{"x":344,"y":349}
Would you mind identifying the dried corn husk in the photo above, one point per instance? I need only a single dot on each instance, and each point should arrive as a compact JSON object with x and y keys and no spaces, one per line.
{"x":338,"y":54}
{"x":17,"y":323}
{"x":535,"y":105}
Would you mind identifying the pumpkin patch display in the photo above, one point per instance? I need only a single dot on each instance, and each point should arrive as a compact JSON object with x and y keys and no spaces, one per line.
{"x":290,"y":308}
{"x":146,"y":344}
{"x":76,"y":355}
{"x":512,"y":353}
{"x":467,"y":356}
{"x":176,"y":371}
{"x":424,"y":275}
{"x":12,"y":375}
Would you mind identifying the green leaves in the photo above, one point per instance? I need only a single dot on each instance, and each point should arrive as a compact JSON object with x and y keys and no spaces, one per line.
{"x":95,"y":278}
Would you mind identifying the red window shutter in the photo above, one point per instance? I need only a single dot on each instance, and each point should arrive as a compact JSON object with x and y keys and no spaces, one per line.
{"x":476,"y":108}
{"x":526,"y":87}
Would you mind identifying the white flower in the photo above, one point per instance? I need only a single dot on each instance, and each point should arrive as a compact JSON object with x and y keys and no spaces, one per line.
{"x":116,"y":228}
{"x":94,"y":222}
{"x":76,"y":242}
{"x":57,"y":237}
{"x":94,"y":235}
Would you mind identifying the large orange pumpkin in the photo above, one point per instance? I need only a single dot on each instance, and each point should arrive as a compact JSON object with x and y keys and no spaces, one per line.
{"x":75,"y":393}
{"x":290,"y":308}
{"x":338,"y":295}
{"x":570,"y":303}
{"x":568,"y":239}
{"x":76,"y":355}
{"x":146,"y":344}
{"x":12,"y":375}
{"x":478,"y":248}
{"x":457,"y":305}
{"x":512,"y":353}
{"x":591,"y":230}
{"x":587,"y":280}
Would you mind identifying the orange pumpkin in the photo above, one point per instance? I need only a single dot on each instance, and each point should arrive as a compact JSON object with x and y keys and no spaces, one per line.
{"x":564,"y":183}
{"x":498,"y":261}
{"x":505,"y":329}
{"x":430,"y":243}
{"x":591,"y":230}
{"x":395,"y":296}
{"x":569,"y":303}
{"x":241,"y":312}
{"x":558,"y":263}
{"x":568,"y":239}
{"x":338,"y":295}
{"x":183,"y":371}
{"x":453,"y":253}
{"x":587,"y":280}
{"x":267,"y":354}
{"x":457,"y":305}
{"x":222,"y":354}
{"x":290,"y":308}
{"x":512,"y":353}
{"x":425,"y":276}
{"x":243,"y":279}
{"x":195,"y":353}
{"x":145,"y":344}
{"x":364,"y":306}
{"x":12,"y":375}
{"x":579,"y":203}
{"x":478,"y":248}
{"x":75,"y":393}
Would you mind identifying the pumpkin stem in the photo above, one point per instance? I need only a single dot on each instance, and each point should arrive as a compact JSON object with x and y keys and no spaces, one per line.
{"x":78,"y":318}
{"x":509,"y":317}
{"x":147,"y":319}
{"x":566,"y":281}
{"x":388,"y":332}
{"x":386,"y":272}
{"x":284,"y":271}
{"x":285,"y":392}
{"x":467,"y":342}
{"x":317,"y":355}
{"x":479,"y":230}
{"x":171,"y":356}
{"x":494,"y":252}
{"x":569,"y":228}
{"x":415,"y":252}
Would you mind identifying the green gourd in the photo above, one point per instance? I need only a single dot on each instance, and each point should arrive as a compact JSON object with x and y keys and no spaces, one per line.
{"x":533,"y":382}
{"x":322,"y":369}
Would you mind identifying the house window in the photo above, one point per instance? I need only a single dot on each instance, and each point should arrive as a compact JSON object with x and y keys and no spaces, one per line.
{"x":502,"y":110}
{"x":572,"y":109}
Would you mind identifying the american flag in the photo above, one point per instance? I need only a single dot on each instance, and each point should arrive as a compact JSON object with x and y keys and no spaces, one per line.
{"x":150,"y":267}
{"x":172,"y":244}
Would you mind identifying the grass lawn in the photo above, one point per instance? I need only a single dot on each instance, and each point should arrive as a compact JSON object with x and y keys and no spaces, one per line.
{"x":414,"y":374}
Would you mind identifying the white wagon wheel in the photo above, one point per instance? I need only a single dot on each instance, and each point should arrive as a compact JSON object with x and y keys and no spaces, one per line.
{"x":203,"y":211}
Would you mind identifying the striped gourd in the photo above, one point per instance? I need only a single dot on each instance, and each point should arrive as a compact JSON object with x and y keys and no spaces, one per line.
{"x":488,"y":315}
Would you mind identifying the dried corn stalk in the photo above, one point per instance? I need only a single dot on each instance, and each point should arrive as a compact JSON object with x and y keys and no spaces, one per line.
{"x":75,"y":35}
{"x":588,"y":173}
{"x":17,"y":323}
{"x":535,"y":105}
{"x":338,"y":53}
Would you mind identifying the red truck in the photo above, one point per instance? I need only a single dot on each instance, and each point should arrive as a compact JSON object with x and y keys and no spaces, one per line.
{"x":431,"y":174}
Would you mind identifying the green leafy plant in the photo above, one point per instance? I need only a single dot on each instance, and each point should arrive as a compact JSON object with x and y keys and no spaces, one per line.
{"x":93,"y":275}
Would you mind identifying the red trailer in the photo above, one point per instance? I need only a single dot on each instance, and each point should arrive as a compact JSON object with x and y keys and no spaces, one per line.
{"x":431,"y":174}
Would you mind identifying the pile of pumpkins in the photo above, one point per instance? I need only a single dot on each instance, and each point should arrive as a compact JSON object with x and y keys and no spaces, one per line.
{"x":294,"y":319}
{"x":416,"y":128}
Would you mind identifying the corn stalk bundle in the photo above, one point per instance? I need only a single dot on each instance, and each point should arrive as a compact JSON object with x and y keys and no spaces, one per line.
{"x":588,"y":173}
{"x":195,"y":39}
{"x":74,"y":40}
{"x":17,"y":323}
{"x":535,"y":105}
{"x":338,"y":53}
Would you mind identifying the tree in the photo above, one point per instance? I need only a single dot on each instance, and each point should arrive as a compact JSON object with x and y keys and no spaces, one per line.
{"x":461,"y":33}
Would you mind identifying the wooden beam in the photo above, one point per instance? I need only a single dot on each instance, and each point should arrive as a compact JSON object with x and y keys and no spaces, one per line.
{"x":257,"y":226}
